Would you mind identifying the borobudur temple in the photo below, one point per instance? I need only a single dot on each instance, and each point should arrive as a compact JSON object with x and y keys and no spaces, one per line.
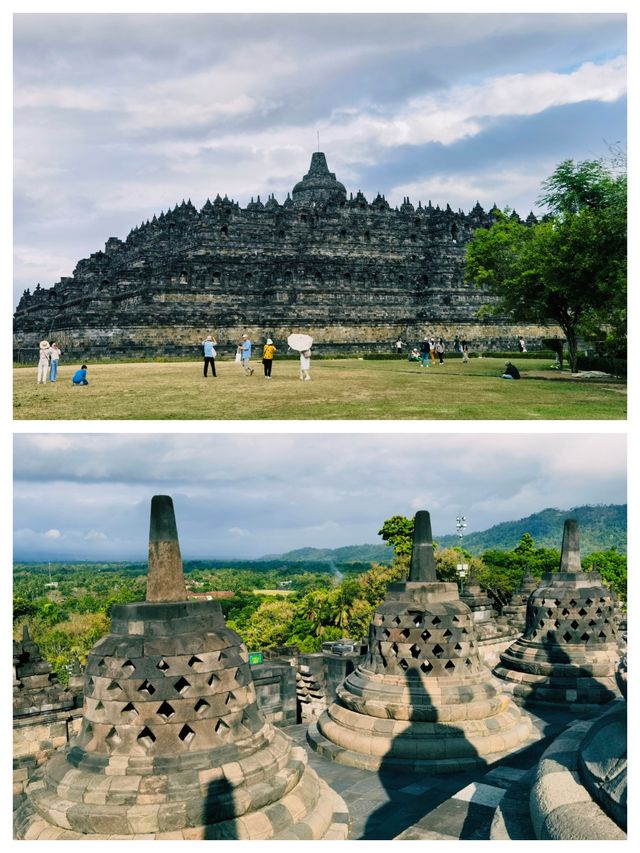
{"x":354,"y":274}
{"x":172,"y":743}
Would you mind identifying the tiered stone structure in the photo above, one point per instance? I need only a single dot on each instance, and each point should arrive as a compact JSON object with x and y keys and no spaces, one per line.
{"x":45,"y":715}
{"x":172,"y":744}
{"x":354,"y":274}
{"x":514,"y":614}
{"x":569,"y":650}
{"x":492,"y":636}
{"x":319,"y":675}
{"x":579,"y":787}
{"x":422,"y":699}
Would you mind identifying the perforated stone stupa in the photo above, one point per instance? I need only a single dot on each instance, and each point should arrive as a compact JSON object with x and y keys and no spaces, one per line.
{"x":172,"y":744}
{"x":36,"y":689}
{"x":514,"y":614}
{"x":569,"y":650}
{"x":422,"y":698}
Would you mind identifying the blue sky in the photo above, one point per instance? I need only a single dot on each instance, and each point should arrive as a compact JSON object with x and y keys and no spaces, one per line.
{"x":117,"y":117}
{"x":246,"y":495}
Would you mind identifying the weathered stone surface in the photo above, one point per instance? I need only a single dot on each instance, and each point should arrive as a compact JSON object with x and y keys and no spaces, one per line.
{"x":569,"y":650}
{"x":172,"y":738}
{"x":353,"y":274}
{"x":422,"y":697}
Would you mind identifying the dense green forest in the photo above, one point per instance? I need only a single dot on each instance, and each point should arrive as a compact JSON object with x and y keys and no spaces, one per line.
{"x":67,"y":605}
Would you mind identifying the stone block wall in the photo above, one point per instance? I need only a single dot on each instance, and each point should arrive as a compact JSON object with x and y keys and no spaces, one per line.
{"x":275,"y":684}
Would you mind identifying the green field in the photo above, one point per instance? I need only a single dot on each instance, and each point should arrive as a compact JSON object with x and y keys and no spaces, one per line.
{"x":350,"y":389}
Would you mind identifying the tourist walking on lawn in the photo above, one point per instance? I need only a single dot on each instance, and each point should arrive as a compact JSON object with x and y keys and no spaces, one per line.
{"x":43,"y":362}
{"x":440,"y":350}
{"x":432,"y":347}
{"x":305,"y":365}
{"x":399,"y":345}
{"x":425,"y":351}
{"x":245,"y":355}
{"x":55,"y":358}
{"x":209,"y":356}
{"x":521,"y":345}
{"x":268,"y":352}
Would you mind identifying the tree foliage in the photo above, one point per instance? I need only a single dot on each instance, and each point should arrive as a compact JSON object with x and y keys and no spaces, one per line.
{"x":569,"y":268}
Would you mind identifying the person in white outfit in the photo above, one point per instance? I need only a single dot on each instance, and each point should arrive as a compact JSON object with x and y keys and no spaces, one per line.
{"x":43,"y":362}
{"x":305,"y":365}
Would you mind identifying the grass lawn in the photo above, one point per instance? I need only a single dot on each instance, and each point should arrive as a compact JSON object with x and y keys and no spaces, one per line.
{"x":339,"y":389}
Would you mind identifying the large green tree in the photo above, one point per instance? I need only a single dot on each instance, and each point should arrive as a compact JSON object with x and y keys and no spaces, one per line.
{"x":569,"y":268}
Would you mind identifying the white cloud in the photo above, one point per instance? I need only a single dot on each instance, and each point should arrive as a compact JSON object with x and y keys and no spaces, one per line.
{"x":95,"y":536}
{"x":53,"y":534}
{"x":238,"y":532}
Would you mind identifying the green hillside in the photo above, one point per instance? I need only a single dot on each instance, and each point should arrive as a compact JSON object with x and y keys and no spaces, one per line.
{"x":347,"y":554}
{"x":601,"y":527}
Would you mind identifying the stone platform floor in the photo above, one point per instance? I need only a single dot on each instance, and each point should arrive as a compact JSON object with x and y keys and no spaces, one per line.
{"x":396,"y":804}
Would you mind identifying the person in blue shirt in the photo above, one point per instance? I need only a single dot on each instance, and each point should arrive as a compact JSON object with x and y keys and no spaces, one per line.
{"x":245,"y":346}
{"x":80,"y":376}
{"x":209,"y":355}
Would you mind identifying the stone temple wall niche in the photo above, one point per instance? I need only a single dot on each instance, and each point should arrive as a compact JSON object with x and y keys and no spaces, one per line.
{"x":422,"y":698}
{"x":173,"y":744}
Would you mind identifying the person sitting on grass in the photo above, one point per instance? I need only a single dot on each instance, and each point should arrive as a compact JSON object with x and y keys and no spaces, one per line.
{"x":80,"y":376}
{"x":510,"y":371}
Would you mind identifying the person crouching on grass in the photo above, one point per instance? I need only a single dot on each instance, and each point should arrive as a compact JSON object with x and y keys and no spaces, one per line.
{"x":268,"y":352}
{"x":80,"y":376}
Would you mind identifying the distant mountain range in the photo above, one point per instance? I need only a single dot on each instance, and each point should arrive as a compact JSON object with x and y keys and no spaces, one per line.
{"x":601,"y":527}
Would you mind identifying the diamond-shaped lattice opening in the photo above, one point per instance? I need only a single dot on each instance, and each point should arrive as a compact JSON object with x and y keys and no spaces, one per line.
{"x":417,"y":620}
{"x":102,"y":664}
{"x":396,"y":621}
{"x":162,"y":664}
{"x":589,"y":602}
{"x":99,"y":706}
{"x":458,"y":647}
{"x":449,"y":665}
{"x":386,"y":633}
{"x":464,"y":631}
{"x":582,"y":612}
{"x":557,"y":603}
{"x":113,"y":739}
{"x":437,"y":650}
{"x":403,"y":664}
{"x":415,"y":651}
{"x":602,"y":635}
{"x":447,"y":634}
{"x":603,"y":601}
{"x":534,"y":634}
{"x":186,"y":734}
{"x":147,"y":687}
{"x":598,"y":612}
{"x":565,"y":612}
{"x":592,"y":623}
{"x":575,"y":624}
{"x":541,"y":623}
{"x":223,"y":656}
{"x":573,"y":602}
{"x":605,"y":621}
{"x":182,"y":685}
{"x":436,"y":620}
{"x":220,"y":727}
{"x":193,"y":660}
{"x":231,"y":697}
{"x":425,"y":636}
{"x":468,"y":663}
{"x":455,"y":619}
{"x":114,"y":686}
{"x":213,"y":679}
{"x":549,"y":612}
{"x":585,"y":637}
{"x":146,"y":738}
{"x":405,"y":634}
{"x":166,"y":711}
{"x":394,"y":649}
{"x":128,"y":667}
{"x":556,"y":623}
{"x":425,"y":666}
{"x":130,"y":708}
{"x":201,"y":706}
{"x":566,"y":636}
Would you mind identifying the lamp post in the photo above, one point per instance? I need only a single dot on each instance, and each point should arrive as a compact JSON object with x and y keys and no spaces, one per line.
{"x":462,"y":568}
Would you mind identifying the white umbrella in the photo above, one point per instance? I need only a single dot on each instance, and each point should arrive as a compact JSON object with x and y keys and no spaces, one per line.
{"x":299,"y":342}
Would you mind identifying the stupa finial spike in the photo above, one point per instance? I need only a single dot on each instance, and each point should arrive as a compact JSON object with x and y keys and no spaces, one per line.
{"x":165,"y":581}
{"x":570,"y":559}
{"x":423,"y":564}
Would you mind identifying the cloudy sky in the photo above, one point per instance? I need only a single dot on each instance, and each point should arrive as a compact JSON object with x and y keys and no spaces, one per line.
{"x":118,"y":117}
{"x":87,"y":496}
